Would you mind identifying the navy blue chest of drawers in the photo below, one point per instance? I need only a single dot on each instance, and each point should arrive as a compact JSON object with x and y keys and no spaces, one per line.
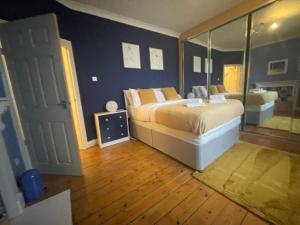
{"x":111,"y":127}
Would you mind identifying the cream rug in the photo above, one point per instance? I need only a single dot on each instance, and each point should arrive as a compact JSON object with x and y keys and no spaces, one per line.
{"x":264,"y":180}
{"x":283,"y":123}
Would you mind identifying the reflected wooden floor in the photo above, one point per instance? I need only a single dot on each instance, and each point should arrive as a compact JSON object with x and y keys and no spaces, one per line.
{"x":132,"y":183}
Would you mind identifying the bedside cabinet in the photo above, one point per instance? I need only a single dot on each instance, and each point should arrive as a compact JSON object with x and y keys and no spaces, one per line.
{"x":111,"y":127}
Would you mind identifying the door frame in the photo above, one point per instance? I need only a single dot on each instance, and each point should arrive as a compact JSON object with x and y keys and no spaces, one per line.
{"x":12,"y":198}
{"x":83,"y":143}
{"x":15,"y":113}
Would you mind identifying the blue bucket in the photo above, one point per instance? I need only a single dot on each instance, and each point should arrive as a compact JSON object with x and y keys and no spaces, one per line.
{"x":32,"y":185}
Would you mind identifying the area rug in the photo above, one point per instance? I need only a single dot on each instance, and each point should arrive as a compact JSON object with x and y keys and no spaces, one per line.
{"x":264,"y":180}
{"x":283,"y":123}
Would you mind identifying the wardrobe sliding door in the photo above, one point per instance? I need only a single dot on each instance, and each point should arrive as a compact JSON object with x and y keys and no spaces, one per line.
{"x":195,"y":73}
{"x":227,"y":57}
{"x":275,"y":70}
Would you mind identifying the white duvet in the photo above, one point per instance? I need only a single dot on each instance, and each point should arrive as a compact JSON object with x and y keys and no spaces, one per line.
{"x":146,"y":113}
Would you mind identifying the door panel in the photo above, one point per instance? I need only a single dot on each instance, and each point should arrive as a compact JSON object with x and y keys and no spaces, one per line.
{"x":32,"y":48}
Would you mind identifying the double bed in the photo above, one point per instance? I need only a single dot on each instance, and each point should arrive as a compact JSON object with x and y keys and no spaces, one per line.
{"x":259,"y":103}
{"x":194,"y":136}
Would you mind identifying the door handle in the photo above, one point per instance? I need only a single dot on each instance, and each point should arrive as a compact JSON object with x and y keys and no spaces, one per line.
{"x":63,"y":104}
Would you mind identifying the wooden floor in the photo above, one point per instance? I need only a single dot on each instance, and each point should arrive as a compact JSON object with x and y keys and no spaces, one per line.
{"x":132,"y":183}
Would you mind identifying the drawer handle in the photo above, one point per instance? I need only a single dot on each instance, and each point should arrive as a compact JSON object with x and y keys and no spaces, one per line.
{"x":108,"y":138}
{"x":122,"y":134}
{"x":107,"y":128}
{"x":121,"y":125}
{"x":120,"y":117}
{"x":106,"y":119}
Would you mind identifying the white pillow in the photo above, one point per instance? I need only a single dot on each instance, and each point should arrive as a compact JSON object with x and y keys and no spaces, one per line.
{"x":160,"y":97}
{"x":203,"y":91}
{"x":128,"y":97}
{"x":197,"y":92}
{"x":135,"y":98}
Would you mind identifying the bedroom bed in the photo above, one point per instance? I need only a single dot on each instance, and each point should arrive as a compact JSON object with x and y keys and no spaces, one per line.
{"x":189,"y":135}
{"x":260,"y":104}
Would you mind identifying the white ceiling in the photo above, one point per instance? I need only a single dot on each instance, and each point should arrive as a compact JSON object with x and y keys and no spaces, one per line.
{"x":175,"y":15}
{"x":286,"y":13}
{"x":172,"y":17}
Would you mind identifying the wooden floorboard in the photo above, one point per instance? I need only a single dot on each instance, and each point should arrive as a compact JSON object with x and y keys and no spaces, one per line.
{"x":132,"y":183}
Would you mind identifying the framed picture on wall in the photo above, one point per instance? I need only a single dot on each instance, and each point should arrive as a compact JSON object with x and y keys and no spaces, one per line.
{"x":131,"y":56}
{"x":206,"y":65}
{"x":156,"y":59}
{"x":277,"y":67}
{"x":196,"y":64}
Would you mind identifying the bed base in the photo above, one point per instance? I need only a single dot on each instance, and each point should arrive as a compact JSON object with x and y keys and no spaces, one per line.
{"x":197,"y":156}
{"x":259,"y":117}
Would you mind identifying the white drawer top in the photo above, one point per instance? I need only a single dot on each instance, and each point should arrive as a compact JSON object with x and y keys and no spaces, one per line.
{"x":109,"y":113}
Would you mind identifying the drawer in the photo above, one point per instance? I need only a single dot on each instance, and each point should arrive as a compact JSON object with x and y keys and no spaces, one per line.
{"x":113,"y":118}
{"x":113,"y":127}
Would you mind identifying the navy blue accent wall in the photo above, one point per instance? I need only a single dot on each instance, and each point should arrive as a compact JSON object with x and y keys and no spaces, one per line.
{"x":191,"y":78}
{"x":97,"y":51}
{"x":217,"y":71}
{"x":260,"y":57}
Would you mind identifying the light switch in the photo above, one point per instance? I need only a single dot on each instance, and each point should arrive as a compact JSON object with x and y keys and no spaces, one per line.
{"x":94,"y":78}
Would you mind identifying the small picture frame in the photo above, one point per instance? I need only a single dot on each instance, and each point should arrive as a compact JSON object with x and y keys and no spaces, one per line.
{"x":278,"y":67}
{"x":156,"y":59}
{"x":196,"y":64}
{"x":206,"y":65}
{"x":131,"y":56}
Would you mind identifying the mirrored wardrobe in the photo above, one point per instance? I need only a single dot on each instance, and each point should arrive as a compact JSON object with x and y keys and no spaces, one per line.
{"x":273,"y":86}
{"x":255,"y":59}
{"x":195,"y":69}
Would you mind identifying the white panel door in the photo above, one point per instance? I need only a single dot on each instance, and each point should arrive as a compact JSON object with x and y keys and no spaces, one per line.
{"x":32,"y":50}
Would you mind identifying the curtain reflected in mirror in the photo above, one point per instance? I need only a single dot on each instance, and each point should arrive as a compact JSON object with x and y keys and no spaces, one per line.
{"x":195,"y":68}
{"x":272,"y":105}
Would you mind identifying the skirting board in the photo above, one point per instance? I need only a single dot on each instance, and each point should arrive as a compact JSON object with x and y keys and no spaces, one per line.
{"x":91,"y":143}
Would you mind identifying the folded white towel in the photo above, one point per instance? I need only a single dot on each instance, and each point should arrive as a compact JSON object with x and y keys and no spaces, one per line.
{"x":195,"y":100}
{"x":215,"y":99}
{"x":193,"y":104}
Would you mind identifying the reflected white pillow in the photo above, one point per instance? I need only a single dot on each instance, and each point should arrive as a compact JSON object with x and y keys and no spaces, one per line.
{"x":197,"y":92}
{"x":160,"y":97}
{"x":203,"y":91}
{"x":135,"y":98}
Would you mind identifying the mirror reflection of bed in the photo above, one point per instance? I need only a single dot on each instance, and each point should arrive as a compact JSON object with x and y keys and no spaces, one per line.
{"x":272,"y":100}
{"x":274,"y":67}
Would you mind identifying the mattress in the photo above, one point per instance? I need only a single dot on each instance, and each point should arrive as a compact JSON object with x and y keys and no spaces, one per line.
{"x":199,"y":120}
{"x":188,"y":136}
